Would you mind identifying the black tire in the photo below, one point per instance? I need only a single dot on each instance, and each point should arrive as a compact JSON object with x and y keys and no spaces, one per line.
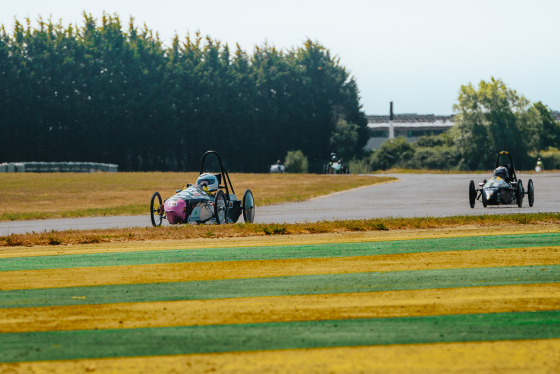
{"x":484,"y":200}
{"x":519,"y":193}
{"x":220,"y":208}
{"x":156,"y":209}
{"x":531,"y":192}
{"x":472,"y":194}
{"x":248,"y":207}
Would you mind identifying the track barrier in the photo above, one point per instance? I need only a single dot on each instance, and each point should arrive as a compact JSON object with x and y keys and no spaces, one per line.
{"x":57,"y":167}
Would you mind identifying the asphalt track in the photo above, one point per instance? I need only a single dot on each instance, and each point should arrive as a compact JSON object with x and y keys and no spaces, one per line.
{"x":413,"y":195}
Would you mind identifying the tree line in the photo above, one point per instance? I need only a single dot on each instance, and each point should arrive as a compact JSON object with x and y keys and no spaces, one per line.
{"x":97,"y":93}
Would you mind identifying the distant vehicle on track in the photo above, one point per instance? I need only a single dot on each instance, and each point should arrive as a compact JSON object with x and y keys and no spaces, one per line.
{"x":335,"y":166}
{"x":503,"y":188}
{"x":211,"y":200}
{"x":539,"y":167}
{"x":277,"y":167}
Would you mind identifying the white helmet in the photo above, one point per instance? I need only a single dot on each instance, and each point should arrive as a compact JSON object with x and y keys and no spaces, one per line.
{"x":208,"y":180}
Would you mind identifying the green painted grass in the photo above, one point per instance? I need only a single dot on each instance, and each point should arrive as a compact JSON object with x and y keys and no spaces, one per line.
{"x":280,"y":252}
{"x":282,"y":286}
{"x":84,"y":344}
{"x":67,"y":345}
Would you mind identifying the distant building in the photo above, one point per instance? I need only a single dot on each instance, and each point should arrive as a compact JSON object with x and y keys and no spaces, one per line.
{"x":409,"y":126}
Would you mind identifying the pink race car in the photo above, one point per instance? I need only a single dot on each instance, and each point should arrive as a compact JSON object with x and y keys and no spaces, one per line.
{"x":211,"y":200}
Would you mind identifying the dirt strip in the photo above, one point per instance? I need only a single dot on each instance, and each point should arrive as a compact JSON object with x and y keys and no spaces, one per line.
{"x":470,"y":300}
{"x":183,"y":272}
{"x":256,"y":241}
{"x":526,"y":356}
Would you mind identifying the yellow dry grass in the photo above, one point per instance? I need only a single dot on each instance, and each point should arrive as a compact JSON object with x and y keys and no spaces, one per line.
{"x":57,"y":195}
{"x":278,"y":232}
{"x":470,"y":357}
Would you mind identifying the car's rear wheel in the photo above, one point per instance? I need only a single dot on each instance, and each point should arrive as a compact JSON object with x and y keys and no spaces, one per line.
{"x":156,"y":209}
{"x":220,"y":208}
{"x":248,"y":207}
{"x":519,"y":193}
{"x":472,"y":194}
{"x":531,"y":192}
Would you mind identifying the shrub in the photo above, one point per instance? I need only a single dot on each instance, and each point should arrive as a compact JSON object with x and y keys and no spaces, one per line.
{"x":439,"y":157}
{"x":359,"y":166}
{"x":429,"y":141}
{"x":392,"y":153}
{"x":275,"y":230}
{"x":550,"y":158}
{"x":445,"y":139}
{"x":296,"y":162}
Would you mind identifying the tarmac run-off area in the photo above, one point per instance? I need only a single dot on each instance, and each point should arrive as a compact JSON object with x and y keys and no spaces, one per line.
{"x":413,"y":195}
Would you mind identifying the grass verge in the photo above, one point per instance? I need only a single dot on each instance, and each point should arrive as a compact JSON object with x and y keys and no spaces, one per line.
{"x":25,"y":196}
{"x":182,"y":232}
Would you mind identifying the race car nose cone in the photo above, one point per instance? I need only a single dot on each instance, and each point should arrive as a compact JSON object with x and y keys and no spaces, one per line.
{"x":175,"y":210}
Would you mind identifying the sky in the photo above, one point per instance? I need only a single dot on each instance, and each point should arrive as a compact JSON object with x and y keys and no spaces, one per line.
{"x":415,"y":53}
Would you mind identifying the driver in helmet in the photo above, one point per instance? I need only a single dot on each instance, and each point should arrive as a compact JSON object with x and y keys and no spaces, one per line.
{"x":501,"y":172}
{"x":208,"y":182}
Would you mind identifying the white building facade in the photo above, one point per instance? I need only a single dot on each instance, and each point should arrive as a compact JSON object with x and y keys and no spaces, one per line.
{"x":409,"y":126}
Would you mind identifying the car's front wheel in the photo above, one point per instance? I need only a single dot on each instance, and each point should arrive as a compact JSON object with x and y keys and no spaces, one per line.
{"x":484,"y":200}
{"x":220,"y":208}
{"x":472,"y":194}
{"x":156,"y":209}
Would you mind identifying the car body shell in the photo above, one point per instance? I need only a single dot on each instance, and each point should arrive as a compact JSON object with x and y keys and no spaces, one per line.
{"x":191,"y":205}
{"x":503,"y":188}
{"x":196,"y":204}
{"x":497,"y":191}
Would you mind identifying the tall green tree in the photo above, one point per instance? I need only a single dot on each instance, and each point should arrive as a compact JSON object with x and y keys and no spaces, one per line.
{"x":344,"y":139}
{"x":488,"y":120}
{"x":549,"y":127}
{"x":327,"y":95}
{"x":103,"y":92}
{"x":8,"y":84}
